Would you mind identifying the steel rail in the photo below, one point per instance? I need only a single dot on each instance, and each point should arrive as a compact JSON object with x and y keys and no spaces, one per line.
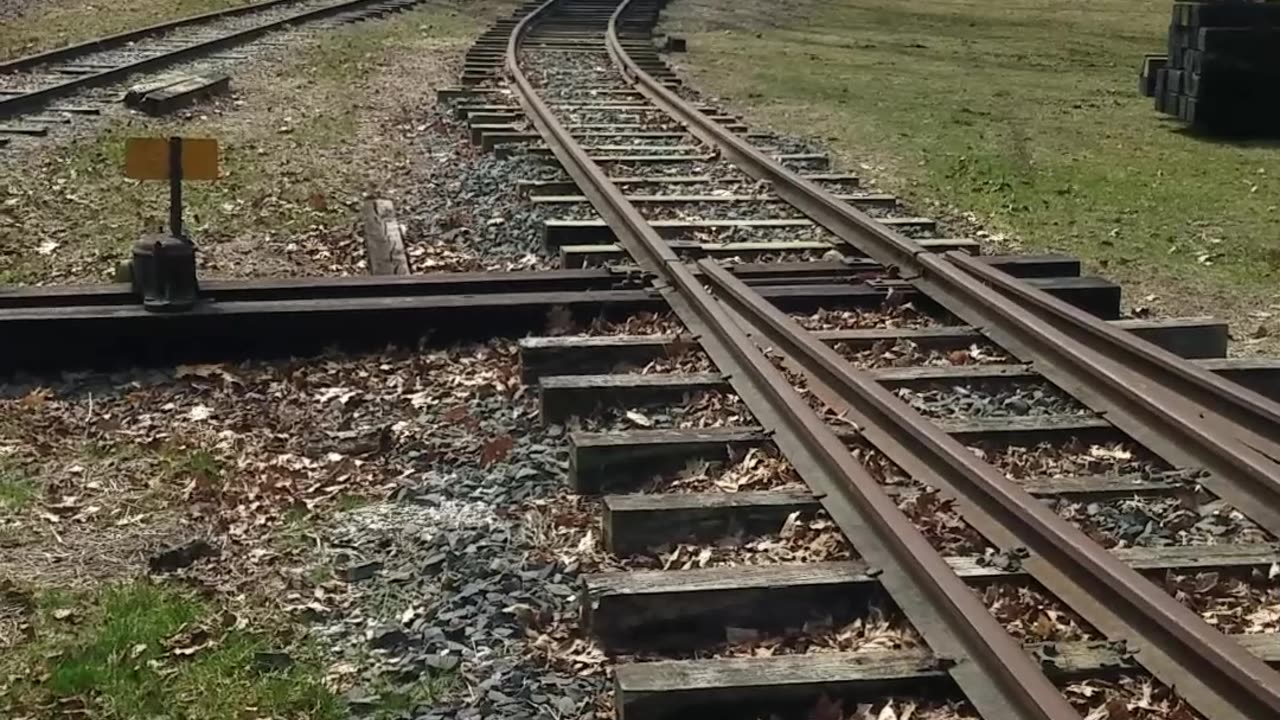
{"x":1219,"y":677}
{"x":1164,"y":402}
{"x":993,"y":671}
{"x":1258,"y":414}
{"x":108,"y":42}
{"x":37,"y":98}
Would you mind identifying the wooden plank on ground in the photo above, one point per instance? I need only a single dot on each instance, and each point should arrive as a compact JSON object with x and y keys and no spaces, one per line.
{"x":635,"y":522}
{"x":760,"y":685}
{"x":694,"y":608}
{"x":582,"y":232}
{"x":562,"y":396}
{"x":383,"y":241}
{"x":183,"y":93}
{"x":880,"y":200}
{"x":1188,"y":337}
{"x":601,"y":462}
{"x":33,"y":130}
{"x":578,"y":256}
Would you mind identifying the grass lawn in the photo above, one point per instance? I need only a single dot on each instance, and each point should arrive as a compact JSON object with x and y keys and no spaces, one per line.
{"x":1025,"y":114}
{"x":54,"y":24}
{"x":139,"y":650}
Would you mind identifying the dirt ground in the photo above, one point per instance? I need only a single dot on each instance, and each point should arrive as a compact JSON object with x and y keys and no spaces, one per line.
{"x":306,"y":135}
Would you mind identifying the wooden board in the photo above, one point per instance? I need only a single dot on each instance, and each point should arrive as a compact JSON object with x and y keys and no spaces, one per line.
{"x":578,"y":232}
{"x":758,"y":686}
{"x":635,"y":522}
{"x":602,"y":462}
{"x":1187,"y":337}
{"x":384,"y":244}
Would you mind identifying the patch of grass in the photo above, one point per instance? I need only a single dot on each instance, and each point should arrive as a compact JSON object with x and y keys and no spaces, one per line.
{"x":56,"y":24}
{"x":116,"y":656}
{"x":17,"y":491}
{"x":192,"y":463}
{"x":346,"y":503}
{"x":1025,"y":113}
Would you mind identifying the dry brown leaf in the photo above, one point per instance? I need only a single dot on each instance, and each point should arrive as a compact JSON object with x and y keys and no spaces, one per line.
{"x":639,"y":419}
{"x":35,"y":399}
{"x":496,"y":450}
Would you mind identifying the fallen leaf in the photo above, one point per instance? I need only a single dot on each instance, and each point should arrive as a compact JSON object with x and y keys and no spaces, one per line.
{"x":639,"y":419}
{"x":790,"y":525}
{"x":454,"y":414}
{"x":204,"y":371}
{"x":1108,"y":453}
{"x":36,"y":399}
{"x":496,"y":450}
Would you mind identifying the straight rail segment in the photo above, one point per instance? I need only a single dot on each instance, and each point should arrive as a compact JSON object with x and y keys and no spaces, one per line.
{"x":108,"y":42}
{"x":997,"y":676}
{"x":1240,"y":441}
{"x":1174,"y":643}
{"x":1178,"y":410}
{"x":41,"y":96}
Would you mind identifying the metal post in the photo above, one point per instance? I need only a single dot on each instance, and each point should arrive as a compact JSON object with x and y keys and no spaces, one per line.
{"x":175,"y":187}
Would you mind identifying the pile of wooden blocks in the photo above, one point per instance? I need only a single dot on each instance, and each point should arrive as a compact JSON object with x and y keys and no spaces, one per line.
{"x":1222,"y":73}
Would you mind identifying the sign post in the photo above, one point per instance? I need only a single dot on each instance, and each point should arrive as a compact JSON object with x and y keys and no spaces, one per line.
{"x":175,"y":188}
{"x":163,"y":268}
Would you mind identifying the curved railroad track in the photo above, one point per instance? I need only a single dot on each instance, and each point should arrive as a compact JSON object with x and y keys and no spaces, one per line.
{"x":31,"y":84}
{"x":652,"y":164}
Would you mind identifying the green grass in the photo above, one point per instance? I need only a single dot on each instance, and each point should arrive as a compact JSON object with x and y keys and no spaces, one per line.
{"x":1025,"y":113}
{"x":186,"y":464}
{"x":17,"y":491}
{"x":115,"y":658}
{"x":57,"y":24}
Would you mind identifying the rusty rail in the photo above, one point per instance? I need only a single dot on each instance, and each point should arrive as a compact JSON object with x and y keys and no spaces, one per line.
{"x":1182,"y":413}
{"x":1161,"y":400}
{"x":1176,"y":644}
{"x":986,"y":663}
{"x":39,"y":97}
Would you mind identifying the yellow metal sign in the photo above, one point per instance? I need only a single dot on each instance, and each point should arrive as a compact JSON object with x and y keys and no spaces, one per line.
{"x":148,"y":158}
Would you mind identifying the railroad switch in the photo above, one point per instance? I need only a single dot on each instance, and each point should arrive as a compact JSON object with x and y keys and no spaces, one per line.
{"x":163,"y":273}
{"x":163,"y":268}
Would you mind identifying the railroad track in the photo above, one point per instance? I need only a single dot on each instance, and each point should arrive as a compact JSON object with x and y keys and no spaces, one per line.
{"x":834,"y":453}
{"x":769,"y":358}
{"x":86,"y":75}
